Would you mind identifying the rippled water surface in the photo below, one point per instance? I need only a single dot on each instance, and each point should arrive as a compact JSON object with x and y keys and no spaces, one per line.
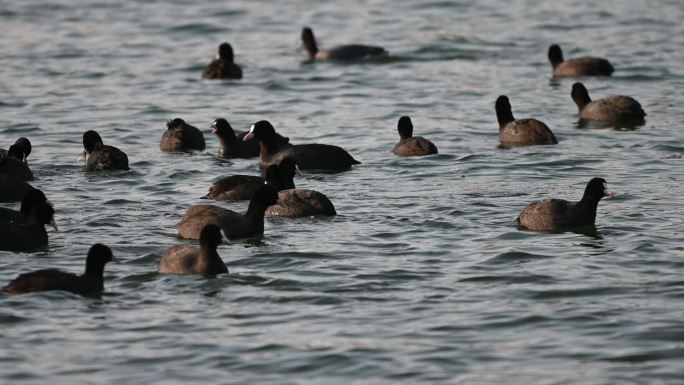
{"x":423,"y":276}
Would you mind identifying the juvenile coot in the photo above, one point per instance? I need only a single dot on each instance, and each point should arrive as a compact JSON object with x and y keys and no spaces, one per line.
{"x":322,"y":157}
{"x":410,"y":145}
{"x":243,"y":187}
{"x":341,"y":53}
{"x":223,"y":67}
{"x":611,"y":109}
{"x":32,"y":234}
{"x":234,"y":225}
{"x":180,"y":136}
{"x":90,"y":282}
{"x":558,"y":214}
{"x":520,"y":132}
{"x":31,"y":199}
{"x":183,"y":259}
{"x":583,"y":66}
{"x":100,"y":157}
{"x":295,"y":202}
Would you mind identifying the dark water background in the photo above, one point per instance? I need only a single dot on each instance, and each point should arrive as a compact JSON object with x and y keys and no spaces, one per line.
{"x":423,"y":278}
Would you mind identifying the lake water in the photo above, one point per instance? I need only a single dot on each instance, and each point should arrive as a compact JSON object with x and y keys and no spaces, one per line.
{"x":423,"y":277}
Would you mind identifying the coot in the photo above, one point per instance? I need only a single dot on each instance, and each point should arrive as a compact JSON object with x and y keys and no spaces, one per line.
{"x":90,"y":282}
{"x":410,"y":145}
{"x":184,"y":259}
{"x":559,"y":214}
{"x":520,"y":132}
{"x":233,"y":224}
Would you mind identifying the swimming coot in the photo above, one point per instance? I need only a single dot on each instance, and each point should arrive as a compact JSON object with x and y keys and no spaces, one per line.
{"x":611,"y":109}
{"x":20,"y":150}
{"x":520,"y":132}
{"x":100,"y":157}
{"x":223,"y":67}
{"x":315,"y":156}
{"x":30,"y":235}
{"x":13,"y":161}
{"x":410,"y":145}
{"x":31,"y":199}
{"x":243,"y":187}
{"x":233,"y":146}
{"x":583,"y":66}
{"x":90,"y":282}
{"x":234,"y":225}
{"x":558,"y":214}
{"x":348,"y":52}
{"x":180,"y":136}
{"x":184,"y":259}
{"x":294,"y":202}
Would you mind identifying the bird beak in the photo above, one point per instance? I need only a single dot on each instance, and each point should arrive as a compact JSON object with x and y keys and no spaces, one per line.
{"x":51,"y":204}
{"x":53,"y":224}
{"x":297,"y":170}
{"x":249,"y":135}
{"x":609,"y":194}
{"x":224,"y":238}
{"x":115,"y":259}
{"x":213,"y":129}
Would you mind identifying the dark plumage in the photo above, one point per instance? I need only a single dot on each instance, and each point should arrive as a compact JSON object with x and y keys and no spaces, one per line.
{"x":13,"y":161}
{"x":90,"y":282}
{"x":243,"y":187}
{"x":558,"y":214}
{"x":233,"y":146}
{"x":341,"y":53}
{"x":223,"y":67}
{"x":294,"y":202}
{"x":24,"y":146}
{"x":12,"y":189}
{"x":184,"y":259}
{"x":322,"y":157}
{"x":180,"y":136}
{"x":31,"y":199}
{"x":234,"y":188}
{"x":410,"y":145}
{"x":100,"y":157}
{"x":583,"y":66}
{"x":20,"y":150}
{"x":611,"y":109}
{"x":520,"y":132}
{"x":32,"y":234}
{"x":234,"y":225}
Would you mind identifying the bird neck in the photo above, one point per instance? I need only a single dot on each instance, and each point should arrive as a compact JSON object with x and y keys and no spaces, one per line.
{"x":311,"y":46}
{"x":589,"y":204}
{"x":94,"y":269}
{"x":256,"y":210}
{"x":208,"y":258}
{"x":269,"y":146}
{"x":226,"y":140}
{"x":581,"y":100}
{"x":504,"y":116}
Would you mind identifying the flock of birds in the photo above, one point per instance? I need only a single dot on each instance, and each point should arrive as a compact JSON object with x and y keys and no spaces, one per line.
{"x":275,"y":193}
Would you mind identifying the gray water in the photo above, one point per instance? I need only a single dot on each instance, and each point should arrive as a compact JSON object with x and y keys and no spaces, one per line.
{"x":423,"y":277}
